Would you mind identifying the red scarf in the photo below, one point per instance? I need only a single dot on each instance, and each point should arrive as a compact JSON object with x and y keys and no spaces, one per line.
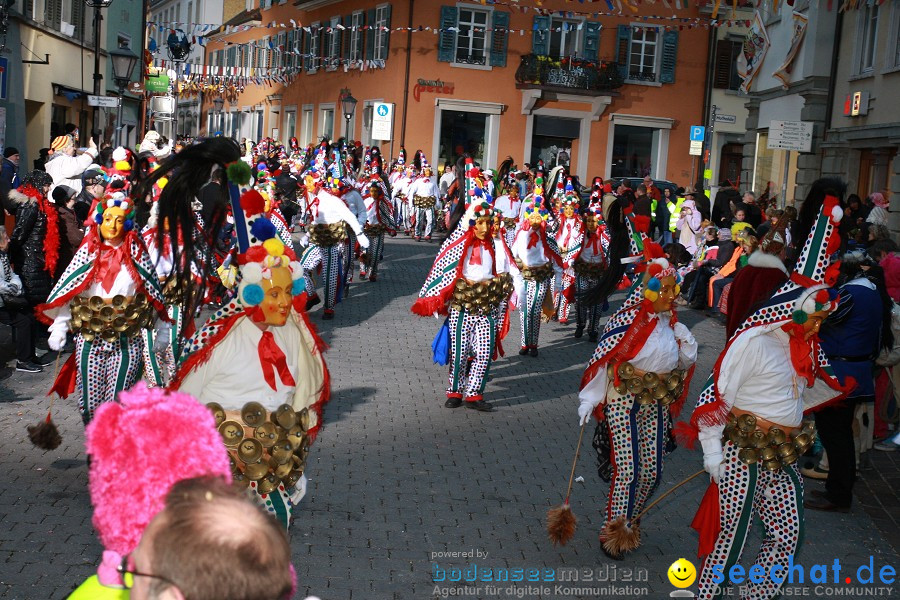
{"x":51,"y":238}
{"x":535,"y":236}
{"x":271,"y":357}
{"x":802,"y":352}
{"x":478,"y":247}
{"x":594,"y":244}
{"x":109,"y":262}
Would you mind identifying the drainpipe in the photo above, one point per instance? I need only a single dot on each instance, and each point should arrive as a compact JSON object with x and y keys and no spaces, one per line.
{"x":707,"y":100}
{"x":406,"y":76}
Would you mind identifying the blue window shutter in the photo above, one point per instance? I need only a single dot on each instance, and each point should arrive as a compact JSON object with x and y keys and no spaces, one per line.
{"x":540,"y":36}
{"x":623,"y":48}
{"x":370,"y":34}
{"x":669,"y":57}
{"x":591,"y":48}
{"x":386,"y":39}
{"x":499,"y":38}
{"x":447,"y":38}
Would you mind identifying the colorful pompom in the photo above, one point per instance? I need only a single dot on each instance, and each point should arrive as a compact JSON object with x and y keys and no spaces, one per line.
{"x":274,"y":246}
{"x":799,"y":317}
{"x":238,"y":172}
{"x":251,"y":294}
{"x":298,"y":286}
{"x":252,"y":272}
{"x":654,"y":269}
{"x":263,"y":229}
{"x":254,"y":254}
{"x":654,"y":284}
{"x":252,"y":203}
{"x":651,"y":295}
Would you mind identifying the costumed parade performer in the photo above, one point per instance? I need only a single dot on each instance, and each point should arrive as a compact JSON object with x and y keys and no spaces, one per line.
{"x":509,"y":205}
{"x":471,"y":279}
{"x":379,"y":220}
{"x":568,"y":238}
{"x":537,"y":257}
{"x":258,"y":364}
{"x":588,"y":265}
{"x":327,"y":218}
{"x":636,"y":381}
{"x":749,"y":417}
{"x":106,"y":296}
{"x":426,"y":200}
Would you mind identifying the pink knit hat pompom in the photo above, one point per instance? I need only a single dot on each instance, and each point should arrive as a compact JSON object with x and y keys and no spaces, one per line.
{"x":140,"y":446}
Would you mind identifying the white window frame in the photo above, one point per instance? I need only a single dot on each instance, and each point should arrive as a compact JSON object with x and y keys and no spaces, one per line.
{"x":657,"y":57}
{"x":334,"y":45}
{"x":380,"y":21}
{"x":307,"y":124}
{"x":289,"y":132}
{"x":576,"y":29}
{"x":865,"y":17}
{"x":357,"y":51}
{"x":314,"y":37}
{"x":489,"y":16}
{"x":324,"y":108}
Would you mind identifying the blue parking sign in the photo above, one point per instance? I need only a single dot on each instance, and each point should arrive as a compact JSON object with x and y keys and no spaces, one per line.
{"x":697,"y":133}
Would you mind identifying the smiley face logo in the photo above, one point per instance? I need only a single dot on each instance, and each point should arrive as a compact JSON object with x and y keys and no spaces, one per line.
{"x":682,"y":573}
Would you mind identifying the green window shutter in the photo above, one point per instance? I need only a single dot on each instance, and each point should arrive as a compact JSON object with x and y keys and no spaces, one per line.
{"x":78,"y":19}
{"x":447,"y":38}
{"x":669,"y":57}
{"x":591,"y":48}
{"x":345,"y":48}
{"x":370,"y":34}
{"x":540,"y":36}
{"x":307,"y":59}
{"x":623,"y":47}
{"x":499,"y":38}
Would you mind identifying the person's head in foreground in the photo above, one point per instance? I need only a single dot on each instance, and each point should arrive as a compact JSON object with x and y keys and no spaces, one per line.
{"x":210,"y":542}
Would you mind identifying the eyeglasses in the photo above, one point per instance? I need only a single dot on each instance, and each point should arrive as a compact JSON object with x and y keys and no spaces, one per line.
{"x":129,"y":574}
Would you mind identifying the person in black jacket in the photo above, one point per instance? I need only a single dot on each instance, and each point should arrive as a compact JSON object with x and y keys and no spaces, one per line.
{"x":723,"y":205}
{"x":698,"y":292}
{"x":34,"y":243}
{"x":93,"y":186}
{"x":9,"y":177}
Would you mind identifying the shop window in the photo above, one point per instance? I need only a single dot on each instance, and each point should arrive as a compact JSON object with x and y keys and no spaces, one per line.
{"x":473,"y":36}
{"x":866,"y":39}
{"x":462,"y":132}
{"x":647,"y":53}
{"x":306,"y":127}
{"x":726,"y":76}
{"x":290,"y":124}
{"x":632,"y":151}
{"x":552,"y":139}
{"x":326,"y":130}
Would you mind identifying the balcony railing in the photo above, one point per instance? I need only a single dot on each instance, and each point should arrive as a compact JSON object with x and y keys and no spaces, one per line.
{"x":568,"y":72}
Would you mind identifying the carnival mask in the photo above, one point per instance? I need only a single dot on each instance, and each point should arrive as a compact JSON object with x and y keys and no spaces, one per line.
{"x":112,"y":228}
{"x":569,"y":211}
{"x":666,"y":295}
{"x":590,"y":222}
{"x":277,"y":298}
{"x":482,"y":227}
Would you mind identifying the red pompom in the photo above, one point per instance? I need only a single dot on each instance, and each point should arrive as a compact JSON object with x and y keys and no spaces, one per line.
{"x":253,"y":254}
{"x":822,"y":297}
{"x":654,"y":269}
{"x":832,"y":272}
{"x":252,"y":203}
{"x":642,"y":223}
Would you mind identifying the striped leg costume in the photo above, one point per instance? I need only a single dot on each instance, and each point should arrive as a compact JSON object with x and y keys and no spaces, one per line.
{"x":777,"y":497}
{"x":587,"y":316}
{"x":348,"y":255}
{"x":531,"y":311}
{"x":373,"y":253}
{"x":105,"y":369}
{"x":328,"y":257}
{"x":159,"y":367}
{"x":470,"y":335}
{"x":563,"y":303}
{"x":638,"y":435}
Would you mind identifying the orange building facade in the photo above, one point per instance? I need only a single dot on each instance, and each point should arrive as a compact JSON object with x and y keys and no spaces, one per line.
{"x":612,"y":96}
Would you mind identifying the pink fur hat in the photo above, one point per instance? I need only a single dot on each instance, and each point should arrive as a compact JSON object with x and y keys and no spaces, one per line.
{"x":140,"y":446}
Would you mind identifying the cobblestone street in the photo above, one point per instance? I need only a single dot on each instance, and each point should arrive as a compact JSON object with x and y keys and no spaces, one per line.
{"x":402,"y":490}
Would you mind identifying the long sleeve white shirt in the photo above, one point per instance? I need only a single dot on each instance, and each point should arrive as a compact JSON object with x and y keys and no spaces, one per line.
{"x":357,"y":206}
{"x":330,"y":209}
{"x":530,"y":257}
{"x":510,"y":208}
{"x":425,"y":187}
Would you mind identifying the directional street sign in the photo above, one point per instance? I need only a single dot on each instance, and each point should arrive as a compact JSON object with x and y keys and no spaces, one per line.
{"x":103,"y":101}
{"x":790,"y":135}
{"x":697,"y":133}
{"x":696,"y":148}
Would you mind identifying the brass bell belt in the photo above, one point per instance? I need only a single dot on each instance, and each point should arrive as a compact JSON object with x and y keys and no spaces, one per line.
{"x":647,"y":388}
{"x":424,"y":201}
{"x":481,"y":297}
{"x":373,"y":229}
{"x":109,"y":318}
{"x":772,"y":449}
{"x":588,"y":269}
{"x":327,"y":234}
{"x":172,"y":292}
{"x":540,"y":273}
{"x":267,"y":447}
{"x":510,"y":222}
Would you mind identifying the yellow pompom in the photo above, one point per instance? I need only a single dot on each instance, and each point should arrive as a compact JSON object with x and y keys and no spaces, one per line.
{"x":677,"y":289}
{"x":274,"y":246}
{"x":651,"y":295}
{"x":161,"y":182}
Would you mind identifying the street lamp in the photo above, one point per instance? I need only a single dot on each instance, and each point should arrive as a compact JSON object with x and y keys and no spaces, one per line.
{"x":348,"y":103}
{"x":179,"y":47}
{"x":123,"y":63}
{"x":98,"y":77}
{"x":218,"y":105}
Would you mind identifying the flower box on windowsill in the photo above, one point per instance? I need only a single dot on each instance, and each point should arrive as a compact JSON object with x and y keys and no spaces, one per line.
{"x":568,"y":74}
